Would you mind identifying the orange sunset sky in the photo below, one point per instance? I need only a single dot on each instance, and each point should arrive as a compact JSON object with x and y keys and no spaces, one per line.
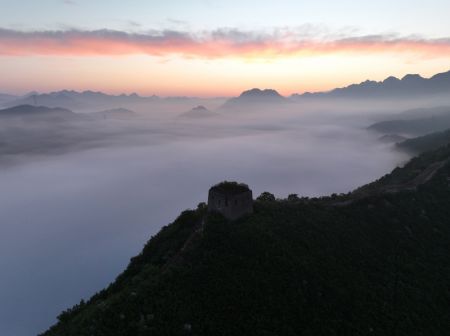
{"x":211,"y":48}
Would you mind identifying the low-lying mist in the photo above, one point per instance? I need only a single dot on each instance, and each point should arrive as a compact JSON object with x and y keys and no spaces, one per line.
{"x":72,"y":218}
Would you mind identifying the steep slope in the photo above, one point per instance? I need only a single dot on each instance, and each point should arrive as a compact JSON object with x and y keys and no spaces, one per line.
{"x":425,"y":143}
{"x":417,"y":172}
{"x":376,"y":265}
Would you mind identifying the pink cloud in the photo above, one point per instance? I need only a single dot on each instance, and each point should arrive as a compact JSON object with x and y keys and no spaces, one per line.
{"x":215,"y":44}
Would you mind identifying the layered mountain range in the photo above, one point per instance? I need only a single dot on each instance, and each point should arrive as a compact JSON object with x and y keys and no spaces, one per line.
{"x":410,"y":86}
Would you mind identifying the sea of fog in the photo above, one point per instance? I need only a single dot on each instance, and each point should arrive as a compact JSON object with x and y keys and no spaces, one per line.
{"x":71,"y":221}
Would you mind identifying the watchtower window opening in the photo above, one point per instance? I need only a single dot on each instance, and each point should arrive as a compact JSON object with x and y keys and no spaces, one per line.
{"x":226,"y":202}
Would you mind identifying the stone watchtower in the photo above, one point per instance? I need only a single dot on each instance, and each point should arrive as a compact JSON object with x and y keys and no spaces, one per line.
{"x":231,"y":199}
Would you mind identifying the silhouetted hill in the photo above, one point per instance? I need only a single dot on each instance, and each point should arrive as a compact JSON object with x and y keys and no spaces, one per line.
{"x":40,"y":113}
{"x":425,"y":143}
{"x":31,"y":130}
{"x":374,"y":262}
{"x":409,"y":86}
{"x":255,"y":97}
{"x":74,"y":100}
{"x":66,"y":99}
{"x":198,"y":112}
{"x":413,"y":127}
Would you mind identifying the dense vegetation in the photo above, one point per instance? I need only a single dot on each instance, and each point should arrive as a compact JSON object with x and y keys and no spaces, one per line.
{"x":228,"y":187}
{"x":367,"y":263}
{"x":425,"y":143}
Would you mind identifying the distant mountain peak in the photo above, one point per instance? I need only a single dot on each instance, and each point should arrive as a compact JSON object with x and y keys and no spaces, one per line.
{"x":368,"y":81}
{"x":445,"y":76}
{"x":68,"y":92}
{"x":200,"y":108}
{"x":410,"y":86}
{"x":258,"y":92}
{"x":412,"y":77}
{"x":256,"y":96}
{"x":391,"y":79}
{"x":199,"y":112}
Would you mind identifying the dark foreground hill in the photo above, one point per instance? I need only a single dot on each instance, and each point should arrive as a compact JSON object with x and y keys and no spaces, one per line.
{"x":369,"y":263}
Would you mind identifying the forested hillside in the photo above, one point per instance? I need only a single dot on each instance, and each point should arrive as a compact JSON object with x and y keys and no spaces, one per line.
{"x":374,"y":262}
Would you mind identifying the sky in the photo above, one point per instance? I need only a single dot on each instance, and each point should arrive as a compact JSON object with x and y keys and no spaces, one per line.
{"x":217,"y":48}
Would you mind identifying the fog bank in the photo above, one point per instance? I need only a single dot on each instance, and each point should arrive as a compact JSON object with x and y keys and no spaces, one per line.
{"x":71,"y":220}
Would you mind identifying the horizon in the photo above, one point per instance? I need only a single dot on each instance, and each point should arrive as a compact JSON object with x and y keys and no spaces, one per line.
{"x":120,"y":93}
{"x":179,"y":49}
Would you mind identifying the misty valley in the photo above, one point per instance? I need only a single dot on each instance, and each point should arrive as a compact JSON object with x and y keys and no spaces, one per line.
{"x":229,"y":168}
{"x":88,"y":177}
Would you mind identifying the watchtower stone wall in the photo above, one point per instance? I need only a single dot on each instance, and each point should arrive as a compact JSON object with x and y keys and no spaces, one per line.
{"x":233,"y":200}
